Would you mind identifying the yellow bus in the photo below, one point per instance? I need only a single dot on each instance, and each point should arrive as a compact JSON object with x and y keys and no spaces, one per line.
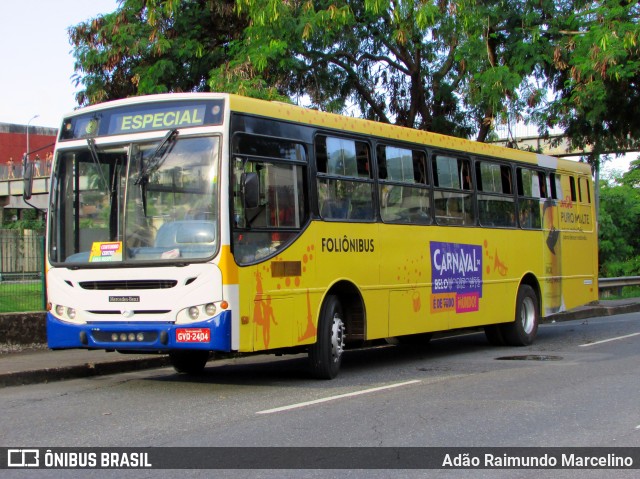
{"x":192,"y":224}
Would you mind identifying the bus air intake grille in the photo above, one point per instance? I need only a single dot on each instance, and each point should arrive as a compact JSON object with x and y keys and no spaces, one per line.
{"x":129,"y":284}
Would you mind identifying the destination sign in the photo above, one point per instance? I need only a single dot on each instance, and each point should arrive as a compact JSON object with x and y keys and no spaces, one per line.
{"x":157,"y":120}
{"x":141,"y":117}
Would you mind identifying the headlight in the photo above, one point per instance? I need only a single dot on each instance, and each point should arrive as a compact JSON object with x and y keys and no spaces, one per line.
{"x":194,"y":312}
{"x":197,"y":313}
{"x":210,"y":309}
{"x":65,"y":313}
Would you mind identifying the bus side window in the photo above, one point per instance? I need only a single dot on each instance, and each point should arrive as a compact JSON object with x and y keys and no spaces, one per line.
{"x":572,"y":187}
{"x":345,"y":185}
{"x":556,"y":186}
{"x":496,"y":204}
{"x":404,"y":196}
{"x":583,"y":190}
{"x":452,"y":196}
{"x":531,"y":189}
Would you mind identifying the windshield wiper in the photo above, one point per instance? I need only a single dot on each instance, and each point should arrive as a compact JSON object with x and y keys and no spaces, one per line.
{"x":91,"y":143}
{"x":157,"y":157}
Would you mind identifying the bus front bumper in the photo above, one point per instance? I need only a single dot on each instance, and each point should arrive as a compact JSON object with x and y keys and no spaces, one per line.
{"x":213,"y":334}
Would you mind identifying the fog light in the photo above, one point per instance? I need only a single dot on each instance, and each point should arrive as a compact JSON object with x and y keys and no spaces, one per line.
{"x":114,"y":337}
{"x":194,"y":312}
{"x":132,"y":337}
{"x":123,"y":337}
{"x":140,"y":337}
{"x":210,"y":309}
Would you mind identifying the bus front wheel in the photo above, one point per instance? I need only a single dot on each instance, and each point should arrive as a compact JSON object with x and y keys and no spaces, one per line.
{"x":325,"y":356}
{"x":189,"y":362}
{"x":523,"y":330}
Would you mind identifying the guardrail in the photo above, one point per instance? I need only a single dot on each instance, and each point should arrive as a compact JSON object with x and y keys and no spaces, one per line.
{"x":607,"y":286}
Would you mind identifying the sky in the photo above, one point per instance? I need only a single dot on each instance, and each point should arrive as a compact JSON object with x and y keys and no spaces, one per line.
{"x":37,"y":63}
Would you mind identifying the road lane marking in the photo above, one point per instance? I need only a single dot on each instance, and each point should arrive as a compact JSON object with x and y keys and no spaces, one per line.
{"x":610,"y":339}
{"x":339,"y":396}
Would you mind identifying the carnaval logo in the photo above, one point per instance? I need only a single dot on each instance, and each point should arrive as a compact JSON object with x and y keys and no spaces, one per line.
{"x":456,"y":272}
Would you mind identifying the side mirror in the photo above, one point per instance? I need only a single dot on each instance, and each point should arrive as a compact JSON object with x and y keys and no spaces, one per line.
{"x":27,"y":174}
{"x":250,"y":189}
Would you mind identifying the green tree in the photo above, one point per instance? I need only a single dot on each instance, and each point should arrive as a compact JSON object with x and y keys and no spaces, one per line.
{"x":596,"y":74}
{"x":619,"y":229}
{"x":454,"y":67}
{"x":632,"y":176}
{"x":457,"y":67}
{"x":152,"y":46}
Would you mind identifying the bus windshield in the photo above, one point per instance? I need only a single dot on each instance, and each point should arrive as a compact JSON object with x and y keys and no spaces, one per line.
{"x":151,"y":201}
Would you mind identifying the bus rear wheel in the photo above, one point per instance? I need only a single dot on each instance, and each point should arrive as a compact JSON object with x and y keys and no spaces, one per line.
{"x":325,"y":356}
{"x":189,"y":362}
{"x":523,"y":330}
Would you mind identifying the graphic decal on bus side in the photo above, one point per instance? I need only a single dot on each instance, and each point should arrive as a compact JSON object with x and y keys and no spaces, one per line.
{"x":411,"y":273}
{"x":287,"y":274}
{"x":262,"y":311}
{"x":456,"y":272}
{"x":498,"y":266}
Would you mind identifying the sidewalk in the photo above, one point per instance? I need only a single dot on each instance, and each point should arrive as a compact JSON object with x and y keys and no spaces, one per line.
{"x":42,"y":366}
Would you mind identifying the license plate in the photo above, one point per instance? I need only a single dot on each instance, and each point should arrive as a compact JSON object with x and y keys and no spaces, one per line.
{"x":193,"y":335}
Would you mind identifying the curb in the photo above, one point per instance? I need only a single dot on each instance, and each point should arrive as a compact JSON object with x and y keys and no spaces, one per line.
{"x":38,"y":376}
{"x":593,"y":311}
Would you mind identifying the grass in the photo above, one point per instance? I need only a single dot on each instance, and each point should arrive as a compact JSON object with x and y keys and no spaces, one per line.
{"x":626,"y":293}
{"x":18,"y":297}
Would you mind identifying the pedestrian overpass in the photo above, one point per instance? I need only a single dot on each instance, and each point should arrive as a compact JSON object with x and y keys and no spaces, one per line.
{"x":11,"y":190}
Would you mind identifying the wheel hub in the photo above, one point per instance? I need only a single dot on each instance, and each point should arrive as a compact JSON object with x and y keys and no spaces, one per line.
{"x":337,"y":338}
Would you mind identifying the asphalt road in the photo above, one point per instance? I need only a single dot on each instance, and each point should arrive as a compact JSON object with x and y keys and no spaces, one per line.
{"x":578,"y":385}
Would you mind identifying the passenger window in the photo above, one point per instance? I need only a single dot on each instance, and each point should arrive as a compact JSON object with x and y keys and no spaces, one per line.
{"x":556,"y":186}
{"x":452,"y":181}
{"x":531,"y":189}
{"x":572,"y":187}
{"x":345,"y":184}
{"x":496,"y":204}
{"x":404,"y":195}
{"x":583,"y":190}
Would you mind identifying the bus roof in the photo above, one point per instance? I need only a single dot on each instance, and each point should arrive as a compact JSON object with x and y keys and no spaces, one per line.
{"x":297,"y":114}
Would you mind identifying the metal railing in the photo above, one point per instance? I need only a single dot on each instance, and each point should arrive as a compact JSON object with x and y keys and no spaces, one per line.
{"x":608,"y":286}
{"x":21,"y":271}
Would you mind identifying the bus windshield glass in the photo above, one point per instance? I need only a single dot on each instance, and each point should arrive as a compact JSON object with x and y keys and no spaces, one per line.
{"x":152,"y":201}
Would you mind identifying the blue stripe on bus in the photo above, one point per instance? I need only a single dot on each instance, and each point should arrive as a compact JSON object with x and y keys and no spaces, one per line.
{"x":163,"y":335}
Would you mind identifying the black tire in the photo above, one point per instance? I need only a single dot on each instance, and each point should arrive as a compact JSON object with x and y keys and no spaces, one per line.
{"x":189,"y":362}
{"x":522,"y":332}
{"x":325,"y":356}
{"x":493,"y":332}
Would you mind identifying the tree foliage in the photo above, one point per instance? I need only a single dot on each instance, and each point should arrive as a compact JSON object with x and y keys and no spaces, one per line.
{"x":596,"y":76}
{"x":458,"y":67}
{"x":152,"y":46}
{"x":619,"y":228}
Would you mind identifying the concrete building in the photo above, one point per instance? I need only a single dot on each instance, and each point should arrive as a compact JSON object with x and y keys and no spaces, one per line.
{"x":13,"y":144}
